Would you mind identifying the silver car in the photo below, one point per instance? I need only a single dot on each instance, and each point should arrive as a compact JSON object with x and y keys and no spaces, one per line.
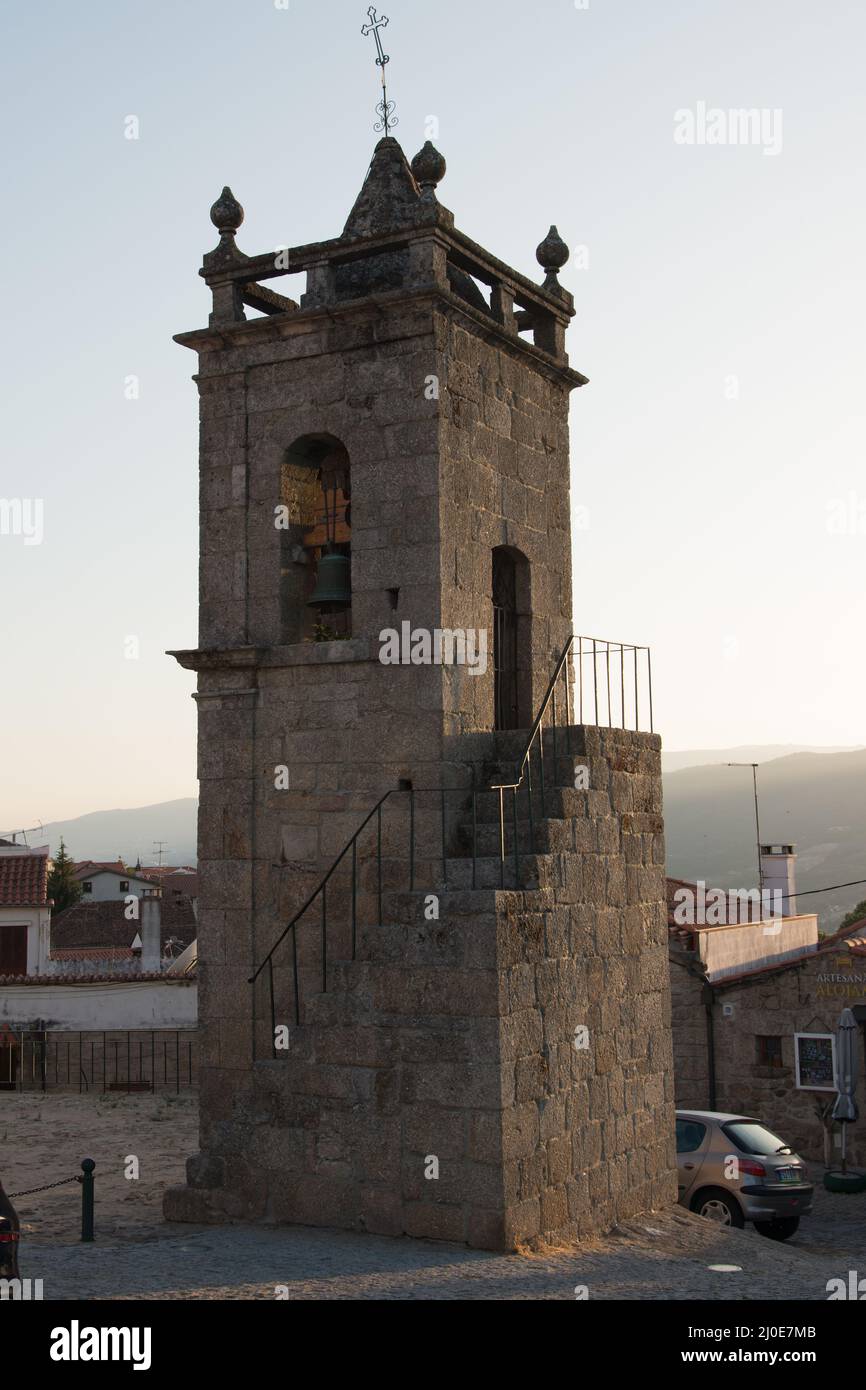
{"x":732,"y":1169}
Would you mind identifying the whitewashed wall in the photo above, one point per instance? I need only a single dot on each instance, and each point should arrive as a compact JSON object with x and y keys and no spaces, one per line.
{"x":105,"y":887}
{"x":731,"y":950}
{"x":118,"y":1004}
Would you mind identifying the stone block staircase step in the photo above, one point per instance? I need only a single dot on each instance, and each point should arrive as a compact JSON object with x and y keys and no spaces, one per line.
{"x":566,"y":819}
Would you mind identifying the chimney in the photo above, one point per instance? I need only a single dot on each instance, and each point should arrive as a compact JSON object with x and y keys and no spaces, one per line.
{"x":777,"y":868}
{"x":151,"y":930}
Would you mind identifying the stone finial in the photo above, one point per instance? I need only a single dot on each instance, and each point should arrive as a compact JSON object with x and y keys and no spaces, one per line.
{"x":552,"y":254}
{"x":227,"y":213}
{"x":428,"y":169}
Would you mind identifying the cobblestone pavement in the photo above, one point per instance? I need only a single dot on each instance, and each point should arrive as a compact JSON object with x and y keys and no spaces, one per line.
{"x":664,"y":1257}
{"x":137,"y":1255}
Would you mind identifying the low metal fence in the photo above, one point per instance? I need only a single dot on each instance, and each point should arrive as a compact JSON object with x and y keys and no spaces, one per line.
{"x":43,"y":1060}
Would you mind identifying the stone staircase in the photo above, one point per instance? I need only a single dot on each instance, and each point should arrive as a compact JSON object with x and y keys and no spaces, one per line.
{"x":564,"y":821}
{"x":450,"y":1037}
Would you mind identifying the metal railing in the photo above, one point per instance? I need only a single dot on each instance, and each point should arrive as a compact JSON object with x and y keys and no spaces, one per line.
{"x":380,"y":858}
{"x":524,"y":768}
{"x":588,"y":693}
{"x":596,"y":692}
{"x":43,"y":1060}
{"x":586,"y":700}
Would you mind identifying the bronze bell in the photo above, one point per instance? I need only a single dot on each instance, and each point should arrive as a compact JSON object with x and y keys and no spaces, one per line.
{"x":333,"y":584}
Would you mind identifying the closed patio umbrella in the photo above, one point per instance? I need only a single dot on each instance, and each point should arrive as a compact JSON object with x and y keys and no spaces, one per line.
{"x":845,"y":1108}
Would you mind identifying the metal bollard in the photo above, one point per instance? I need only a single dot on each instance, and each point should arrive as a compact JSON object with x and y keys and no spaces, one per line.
{"x":87,"y":1167}
{"x":9,"y":1232}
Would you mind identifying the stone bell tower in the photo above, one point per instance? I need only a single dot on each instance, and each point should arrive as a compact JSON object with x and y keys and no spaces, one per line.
{"x":427,"y":1005}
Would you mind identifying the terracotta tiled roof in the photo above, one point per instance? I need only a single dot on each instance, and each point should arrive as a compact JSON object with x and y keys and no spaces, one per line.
{"x":92,"y":953}
{"x":683,"y":933}
{"x":678,"y":933}
{"x":672,"y":885}
{"x":106,"y":924}
{"x":118,"y":980}
{"x":857,"y":928}
{"x":24,"y":880}
{"x":179,"y":881}
{"x":163,"y":871}
{"x":89,"y":868}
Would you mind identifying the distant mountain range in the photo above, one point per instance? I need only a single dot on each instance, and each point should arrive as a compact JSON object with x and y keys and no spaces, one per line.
{"x":746,"y":753}
{"x":815,"y":799}
{"x":129,"y":834}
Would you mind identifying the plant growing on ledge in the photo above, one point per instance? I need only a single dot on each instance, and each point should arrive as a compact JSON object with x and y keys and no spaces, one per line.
{"x":323,"y":633}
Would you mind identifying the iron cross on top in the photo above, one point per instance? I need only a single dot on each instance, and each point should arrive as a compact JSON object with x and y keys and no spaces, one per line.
{"x":373,"y":28}
{"x":385,"y":109}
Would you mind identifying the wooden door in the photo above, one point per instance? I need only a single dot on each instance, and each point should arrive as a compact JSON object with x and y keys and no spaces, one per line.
{"x":13,"y":950}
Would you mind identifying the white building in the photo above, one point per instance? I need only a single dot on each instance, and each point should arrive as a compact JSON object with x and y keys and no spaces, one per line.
{"x":109,"y":882}
{"x":25,"y":912}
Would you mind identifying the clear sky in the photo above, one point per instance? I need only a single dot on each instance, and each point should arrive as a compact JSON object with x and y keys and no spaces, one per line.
{"x":719,"y":449}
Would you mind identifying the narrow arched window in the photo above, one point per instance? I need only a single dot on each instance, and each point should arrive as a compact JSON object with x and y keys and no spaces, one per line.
{"x":512,"y":639}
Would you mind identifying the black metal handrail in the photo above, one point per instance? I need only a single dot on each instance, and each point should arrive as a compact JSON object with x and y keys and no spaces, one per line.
{"x":595,"y":648}
{"x":525,"y":767}
{"x":321,"y":890}
{"x":533,"y":733}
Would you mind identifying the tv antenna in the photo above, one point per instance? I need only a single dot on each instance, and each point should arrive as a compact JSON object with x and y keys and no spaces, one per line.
{"x":13,"y":834}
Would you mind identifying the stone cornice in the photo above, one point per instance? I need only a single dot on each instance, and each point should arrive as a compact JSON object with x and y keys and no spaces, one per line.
{"x":254,"y":659}
{"x":219,"y":658}
{"x":275,"y":327}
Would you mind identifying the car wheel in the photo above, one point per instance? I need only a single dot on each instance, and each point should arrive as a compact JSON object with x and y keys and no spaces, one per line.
{"x":778,"y":1230}
{"x":716,"y":1205}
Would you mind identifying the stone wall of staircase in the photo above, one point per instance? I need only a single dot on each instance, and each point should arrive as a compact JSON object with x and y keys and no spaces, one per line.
{"x":495,"y":1067}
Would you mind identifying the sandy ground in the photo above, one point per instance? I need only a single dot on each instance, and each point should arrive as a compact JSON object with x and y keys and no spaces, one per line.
{"x":44,"y":1138}
{"x":661,"y":1256}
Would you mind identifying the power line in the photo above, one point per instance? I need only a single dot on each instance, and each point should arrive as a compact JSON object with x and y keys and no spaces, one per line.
{"x":805,"y":892}
{"x":854,"y":883}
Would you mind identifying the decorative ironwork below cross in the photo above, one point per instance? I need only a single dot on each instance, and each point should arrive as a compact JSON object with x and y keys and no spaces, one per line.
{"x":385,"y":108}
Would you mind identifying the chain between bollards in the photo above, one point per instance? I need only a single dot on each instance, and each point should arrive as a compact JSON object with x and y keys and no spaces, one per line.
{"x":9,"y":1226}
{"x":87,"y":1167}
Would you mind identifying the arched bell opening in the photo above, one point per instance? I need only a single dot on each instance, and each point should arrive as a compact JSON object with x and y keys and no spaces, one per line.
{"x":316,"y":541}
{"x":512,"y":639}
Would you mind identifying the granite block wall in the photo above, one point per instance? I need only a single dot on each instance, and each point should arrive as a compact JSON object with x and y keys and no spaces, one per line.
{"x":500,"y":1074}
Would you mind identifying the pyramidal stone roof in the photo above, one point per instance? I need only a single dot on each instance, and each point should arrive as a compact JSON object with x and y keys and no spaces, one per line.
{"x":390,"y":197}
